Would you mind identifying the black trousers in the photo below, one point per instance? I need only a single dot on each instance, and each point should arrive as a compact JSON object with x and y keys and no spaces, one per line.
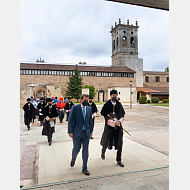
{"x":118,"y":156}
{"x":49,"y":137}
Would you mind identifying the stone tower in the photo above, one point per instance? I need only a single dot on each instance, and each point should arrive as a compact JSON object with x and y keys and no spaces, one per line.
{"x":125,"y":48}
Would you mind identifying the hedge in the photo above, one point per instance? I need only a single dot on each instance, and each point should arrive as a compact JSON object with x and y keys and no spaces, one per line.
{"x":142,"y":100}
{"x":154,"y":100}
{"x":165,"y":101}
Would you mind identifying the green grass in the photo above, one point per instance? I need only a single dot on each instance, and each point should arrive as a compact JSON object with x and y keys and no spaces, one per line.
{"x":97,"y":103}
{"x":159,"y":104}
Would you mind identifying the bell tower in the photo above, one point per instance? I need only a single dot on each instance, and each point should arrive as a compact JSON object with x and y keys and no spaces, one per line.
{"x":124,"y":43}
{"x":125,"y":49}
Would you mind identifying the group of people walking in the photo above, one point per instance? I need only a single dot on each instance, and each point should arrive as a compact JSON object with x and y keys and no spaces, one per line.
{"x":80,"y":119}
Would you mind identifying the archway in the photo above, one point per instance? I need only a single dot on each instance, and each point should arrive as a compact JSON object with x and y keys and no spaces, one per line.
{"x":101,"y":96}
{"x":40,"y":91}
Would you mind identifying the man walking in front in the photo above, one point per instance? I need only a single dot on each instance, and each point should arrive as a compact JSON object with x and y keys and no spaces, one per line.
{"x":80,"y":127}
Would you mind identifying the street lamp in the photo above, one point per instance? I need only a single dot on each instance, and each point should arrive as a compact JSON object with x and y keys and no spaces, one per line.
{"x":131,"y":94}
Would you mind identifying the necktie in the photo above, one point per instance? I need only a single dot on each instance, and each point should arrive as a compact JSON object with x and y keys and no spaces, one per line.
{"x":83,"y":111}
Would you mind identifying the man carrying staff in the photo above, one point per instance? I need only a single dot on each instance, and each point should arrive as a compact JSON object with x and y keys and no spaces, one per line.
{"x":113,"y":132}
{"x":28,"y":111}
{"x":94,"y":110}
{"x":68,"y":107}
{"x":50,"y":113}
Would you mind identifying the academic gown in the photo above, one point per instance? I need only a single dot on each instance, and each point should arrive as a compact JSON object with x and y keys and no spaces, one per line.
{"x":28,"y":111}
{"x":112,"y":136}
{"x":94,"y":110}
{"x":51,"y":113}
{"x":68,"y":107}
{"x":40,"y":107}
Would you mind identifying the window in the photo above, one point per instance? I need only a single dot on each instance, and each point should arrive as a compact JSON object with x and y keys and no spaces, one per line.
{"x":38,"y":72}
{"x":124,"y":41}
{"x":26,"y":72}
{"x":58,"y":73}
{"x":42,"y":72}
{"x":21,"y":72}
{"x":98,"y":74}
{"x":35,"y":72}
{"x":50,"y":73}
{"x":167,"y":79}
{"x":29,"y":72}
{"x":130,"y":75}
{"x":157,"y":79}
{"x":132,"y":42}
{"x":32,"y":72}
{"x":91,"y":74}
{"x":114,"y":45}
{"x":146,"y":79}
{"x":117,"y":74}
{"x":66,"y":72}
{"x":117,"y":42}
{"x":61,"y":73}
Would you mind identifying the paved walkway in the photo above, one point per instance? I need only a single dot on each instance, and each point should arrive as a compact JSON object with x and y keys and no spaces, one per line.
{"x":147,"y":148}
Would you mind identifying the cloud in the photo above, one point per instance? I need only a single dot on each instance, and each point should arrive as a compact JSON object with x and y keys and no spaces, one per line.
{"x":79,"y":30}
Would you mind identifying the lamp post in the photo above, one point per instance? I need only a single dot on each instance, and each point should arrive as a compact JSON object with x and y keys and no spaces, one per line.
{"x":130,"y":94}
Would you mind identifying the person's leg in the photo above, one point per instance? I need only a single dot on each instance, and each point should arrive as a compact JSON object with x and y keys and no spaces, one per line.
{"x":85,"y":142}
{"x":76,"y":148}
{"x":118,"y":156}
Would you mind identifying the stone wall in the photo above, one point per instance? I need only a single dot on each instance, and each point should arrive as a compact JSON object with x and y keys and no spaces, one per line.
{"x":57,"y":85}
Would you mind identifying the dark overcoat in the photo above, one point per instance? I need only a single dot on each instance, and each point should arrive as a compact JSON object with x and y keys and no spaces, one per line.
{"x":112,"y":136}
{"x":41,"y":106}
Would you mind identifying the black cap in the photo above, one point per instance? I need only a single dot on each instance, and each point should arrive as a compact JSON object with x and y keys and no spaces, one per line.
{"x":48,"y":100}
{"x":41,"y":99}
{"x":90,"y":97}
{"x":113,"y":92}
{"x":28,"y":99}
{"x":69,"y":98}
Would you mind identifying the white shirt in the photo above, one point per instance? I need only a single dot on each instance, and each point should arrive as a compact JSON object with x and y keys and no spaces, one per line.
{"x":84,"y":109}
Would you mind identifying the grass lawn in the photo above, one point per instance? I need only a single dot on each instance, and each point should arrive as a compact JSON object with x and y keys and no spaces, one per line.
{"x":97,"y":103}
{"x":159,"y":104}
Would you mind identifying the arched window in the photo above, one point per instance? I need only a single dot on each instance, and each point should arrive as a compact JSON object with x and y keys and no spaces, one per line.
{"x":146,"y":79}
{"x":132,"y":42}
{"x":167,"y":79}
{"x":117,"y":43}
{"x":157,"y":79}
{"x":114,"y":45}
{"x":124,"y":41}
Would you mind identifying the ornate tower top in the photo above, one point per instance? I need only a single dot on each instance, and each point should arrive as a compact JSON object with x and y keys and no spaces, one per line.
{"x":124,"y":42}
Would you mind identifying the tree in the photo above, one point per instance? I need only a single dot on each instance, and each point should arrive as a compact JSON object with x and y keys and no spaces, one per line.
{"x":75,"y":85}
{"x":91,"y":90}
{"x":167,"y":69}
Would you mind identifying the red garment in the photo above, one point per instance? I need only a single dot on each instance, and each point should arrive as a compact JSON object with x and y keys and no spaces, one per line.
{"x":60,"y":105}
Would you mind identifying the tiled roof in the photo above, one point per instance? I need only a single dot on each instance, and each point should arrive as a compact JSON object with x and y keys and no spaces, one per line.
{"x":153,"y":89}
{"x":56,"y":67}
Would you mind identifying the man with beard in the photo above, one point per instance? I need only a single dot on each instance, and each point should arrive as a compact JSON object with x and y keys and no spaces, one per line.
{"x":40,"y":106}
{"x":50,"y":113}
{"x":28,"y":111}
{"x":94,"y":110}
{"x":113,"y":113}
{"x":68,"y":107}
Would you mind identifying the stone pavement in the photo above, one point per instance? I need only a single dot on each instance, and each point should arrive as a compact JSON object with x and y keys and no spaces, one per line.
{"x":147,"y":125}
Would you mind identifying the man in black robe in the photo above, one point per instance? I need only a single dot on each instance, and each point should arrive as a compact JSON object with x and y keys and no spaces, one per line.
{"x":40,"y":106}
{"x":94,"y":110}
{"x":68,"y":107}
{"x":50,"y":113}
{"x":28,"y":111}
{"x":113,"y":133}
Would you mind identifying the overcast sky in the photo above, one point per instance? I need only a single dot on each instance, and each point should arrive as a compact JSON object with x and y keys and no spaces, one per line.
{"x":62,"y":31}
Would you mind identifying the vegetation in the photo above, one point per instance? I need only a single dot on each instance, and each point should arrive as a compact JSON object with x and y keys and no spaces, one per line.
{"x":75,"y":85}
{"x":165,"y":101}
{"x":142,"y":100}
{"x":154,"y":100}
{"x":166,"y":69}
{"x":92,"y":91}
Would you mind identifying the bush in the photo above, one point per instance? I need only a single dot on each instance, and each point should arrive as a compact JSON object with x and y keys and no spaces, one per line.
{"x":142,"y":100}
{"x":165,"y":101}
{"x":154,"y":100}
{"x":148,"y":101}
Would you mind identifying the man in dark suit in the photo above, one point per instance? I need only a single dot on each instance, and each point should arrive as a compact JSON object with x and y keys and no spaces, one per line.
{"x":80,"y":127}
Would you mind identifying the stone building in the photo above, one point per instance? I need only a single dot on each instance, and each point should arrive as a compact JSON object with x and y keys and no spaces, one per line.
{"x":125,"y":73}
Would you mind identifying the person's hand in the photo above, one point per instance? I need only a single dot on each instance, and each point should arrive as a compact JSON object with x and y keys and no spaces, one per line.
{"x":71,"y":135}
{"x":117,"y":123}
{"x":50,"y":119}
{"x":90,"y":135}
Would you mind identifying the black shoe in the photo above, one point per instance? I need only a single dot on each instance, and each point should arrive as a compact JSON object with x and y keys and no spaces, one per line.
{"x":29,"y":128}
{"x":72,"y":163}
{"x":86,"y":172}
{"x":103,"y":156}
{"x":120,"y":164}
{"x":50,"y":143}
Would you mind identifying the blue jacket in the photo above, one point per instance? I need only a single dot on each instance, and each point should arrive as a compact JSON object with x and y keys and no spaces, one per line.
{"x":76,"y":121}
